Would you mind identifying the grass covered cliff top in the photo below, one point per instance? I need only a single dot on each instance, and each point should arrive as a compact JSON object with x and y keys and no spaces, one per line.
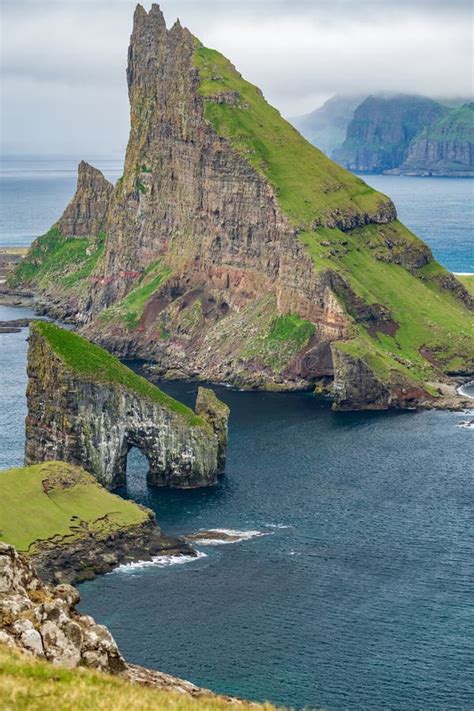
{"x":28,"y":684}
{"x":384,"y":264}
{"x":57,"y":502}
{"x":95,"y":363}
{"x":307,"y":183}
{"x":456,"y":125}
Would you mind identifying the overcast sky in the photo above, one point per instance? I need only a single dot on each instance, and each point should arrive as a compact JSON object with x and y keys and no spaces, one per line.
{"x":63,"y":61}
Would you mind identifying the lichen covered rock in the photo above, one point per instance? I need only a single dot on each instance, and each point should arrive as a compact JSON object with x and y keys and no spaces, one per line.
{"x":43,"y":621}
{"x":86,"y":408}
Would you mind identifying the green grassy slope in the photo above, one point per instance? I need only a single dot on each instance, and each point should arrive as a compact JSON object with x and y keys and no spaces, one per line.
{"x":130,"y":308}
{"x":309,"y":185}
{"x":28,"y":684}
{"x":54,"y":500}
{"x":64,"y":262}
{"x":457,"y":125}
{"x":467,"y":280}
{"x":383,"y":264}
{"x":96,"y":363}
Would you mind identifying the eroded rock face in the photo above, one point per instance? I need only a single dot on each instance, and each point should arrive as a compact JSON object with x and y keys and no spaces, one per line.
{"x":86,"y":213}
{"x":43,"y":621}
{"x":356,"y":386}
{"x":75,"y":419}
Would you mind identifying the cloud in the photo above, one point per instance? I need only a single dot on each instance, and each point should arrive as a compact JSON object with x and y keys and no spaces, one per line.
{"x":63,"y":61}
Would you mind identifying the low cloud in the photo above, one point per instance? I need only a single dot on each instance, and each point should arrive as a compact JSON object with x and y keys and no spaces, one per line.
{"x":63,"y":62}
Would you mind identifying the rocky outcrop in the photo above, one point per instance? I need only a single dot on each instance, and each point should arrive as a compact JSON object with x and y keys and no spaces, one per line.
{"x":379,"y":135}
{"x":356,"y":386}
{"x":42,"y":621}
{"x":86,"y":408}
{"x":86,"y":213}
{"x":216,"y":413}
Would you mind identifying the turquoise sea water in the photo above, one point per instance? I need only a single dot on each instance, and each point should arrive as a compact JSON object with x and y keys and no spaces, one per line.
{"x":352,"y":586}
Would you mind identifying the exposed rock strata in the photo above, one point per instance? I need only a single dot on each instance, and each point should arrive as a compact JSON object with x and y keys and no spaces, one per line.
{"x":86,"y":213}
{"x":74,"y":418}
{"x":90,"y":555}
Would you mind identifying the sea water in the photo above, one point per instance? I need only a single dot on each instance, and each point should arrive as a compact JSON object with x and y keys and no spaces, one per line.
{"x":350,"y":584}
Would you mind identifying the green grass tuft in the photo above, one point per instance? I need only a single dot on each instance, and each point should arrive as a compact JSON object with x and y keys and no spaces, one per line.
{"x":95,"y":363}
{"x":73,"y":500}
{"x":63,"y":261}
{"x":130,"y":308}
{"x":29,"y":684}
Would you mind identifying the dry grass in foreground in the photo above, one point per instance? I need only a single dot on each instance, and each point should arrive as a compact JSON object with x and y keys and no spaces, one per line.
{"x":27,"y":684}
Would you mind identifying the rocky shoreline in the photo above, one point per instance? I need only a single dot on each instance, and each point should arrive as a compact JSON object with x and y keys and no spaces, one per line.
{"x":449,"y":396}
{"x":84,"y":559}
{"x":42,"y":621}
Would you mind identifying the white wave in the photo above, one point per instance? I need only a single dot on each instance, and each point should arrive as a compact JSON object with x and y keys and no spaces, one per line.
{"x":235,"y":536}
{"x":467,"y":425}
{"x":277,"y":525}
{"x":462,"y":389}
{"x":158,"y":561}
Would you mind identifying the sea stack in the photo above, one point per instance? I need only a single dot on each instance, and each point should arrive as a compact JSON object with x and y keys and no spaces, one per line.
{"x":87,"y":408}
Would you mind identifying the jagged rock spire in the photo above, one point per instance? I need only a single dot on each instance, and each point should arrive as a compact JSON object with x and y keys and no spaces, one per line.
{"x":86,"y":214}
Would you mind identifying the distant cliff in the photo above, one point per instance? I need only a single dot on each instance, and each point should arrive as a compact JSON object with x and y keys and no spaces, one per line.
{"x":446,"y":147}
{"x":379,"y":135}
{"x":326,"y":127}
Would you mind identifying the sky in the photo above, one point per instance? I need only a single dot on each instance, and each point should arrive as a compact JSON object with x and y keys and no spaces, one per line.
{"x":63,"y":86}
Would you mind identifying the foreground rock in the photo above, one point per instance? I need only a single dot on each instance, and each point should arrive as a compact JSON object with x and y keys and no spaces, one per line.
{"x":71,"y":528}
{"x":87,"y":408}
{"x":42,"y":621}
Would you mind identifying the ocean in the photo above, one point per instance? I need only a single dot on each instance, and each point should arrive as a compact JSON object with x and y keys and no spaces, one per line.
{"x":34,"y":192}
{"x":351,"y":586}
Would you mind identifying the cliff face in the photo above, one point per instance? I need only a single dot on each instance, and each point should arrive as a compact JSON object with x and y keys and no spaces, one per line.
{"x":379,"y":135}
{"x":234,"y":250}
{"x":444,"y":148}
{"x":94,"y":416}
{"x":87,"y":212}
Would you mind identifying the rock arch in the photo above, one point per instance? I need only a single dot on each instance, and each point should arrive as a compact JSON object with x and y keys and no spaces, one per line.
{"x":82,"y":419}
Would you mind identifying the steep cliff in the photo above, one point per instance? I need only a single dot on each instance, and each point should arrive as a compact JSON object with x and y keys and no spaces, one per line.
{"x":71,"y":528}
{"x":233,"y":250}
{"x":86,"y":408}
{"x":379,"y":135}
{"x":446,"y":147}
